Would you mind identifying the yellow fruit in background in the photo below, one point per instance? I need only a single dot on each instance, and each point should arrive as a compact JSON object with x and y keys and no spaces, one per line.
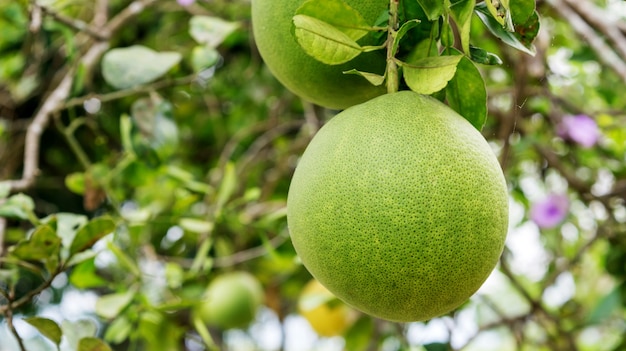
{"x":327,"y":315}
{"x":314,"y":81}
{"x":231,"y":300}
{"x":399,"y":207}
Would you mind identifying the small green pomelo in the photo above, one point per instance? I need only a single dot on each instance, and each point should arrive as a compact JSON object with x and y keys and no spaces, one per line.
{"x":314,"y":81}
{"x":231,"y":300}
{"x":399,"y":207}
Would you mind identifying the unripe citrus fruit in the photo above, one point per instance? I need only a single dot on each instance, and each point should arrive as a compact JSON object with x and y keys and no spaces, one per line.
{"x":399,"y":207}
{"x":231,"y":300}
{"x":314,"y":81}
{"x":327,"y":315}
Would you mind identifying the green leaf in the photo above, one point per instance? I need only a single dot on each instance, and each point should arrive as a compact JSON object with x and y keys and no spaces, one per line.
{"x":75,"y":182}
{"x":228,"y":186}
{"x":110,"y":306}
{"x":373,"y":78}
{"x":95,"y":230}
{"x":324,"y":42}
{"x":203,"y":57}
{"x":467,"y":95}
{"x":17,"y":206}
{"x":433,"y":8}
{"x":499,"y":10}
{"x":337,"y":14}
{"x":92,"y":344}
{"x":358,"y":337}
{"x":527,"y":32}
{"x":124,"y":259}
{"x":43,"y":245}
{"x":509,"y":38}
{"x":195,"y":225}
{"x":5,"y":187}
{"x":430,"y":74}
{"x":521,"y":10}
{"x":74,"y":331}
{"x":47,"y":327}
{"x":84,"y":275}
{"x":484,"y":57}
{"x":462,"y":14}
{"x":118,"y":330}
{"x":404,"y":29}
{"x":605,"y":307}
{"x":211,"y":31}
{"x":136,"y":65}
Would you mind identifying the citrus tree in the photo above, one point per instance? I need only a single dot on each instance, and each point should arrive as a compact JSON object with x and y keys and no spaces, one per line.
{"x":179,"y":175}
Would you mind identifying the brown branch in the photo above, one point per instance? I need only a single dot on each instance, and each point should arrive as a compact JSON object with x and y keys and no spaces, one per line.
{"x":604,"y":52}
{"x":602,"y":22}
{"x":72,"y":22}
{"x":553,"y":161}
{"x":57,"y":97}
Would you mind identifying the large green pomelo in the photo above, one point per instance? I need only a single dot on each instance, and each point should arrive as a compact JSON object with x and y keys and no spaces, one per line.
{"x":314,"y":81}
{"x":399,"y":207}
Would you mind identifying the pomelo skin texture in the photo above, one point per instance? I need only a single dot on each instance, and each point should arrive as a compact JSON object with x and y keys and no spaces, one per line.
{"x":312,"y":80}
{"x":399,"y":207}
{"x":231,"y":300}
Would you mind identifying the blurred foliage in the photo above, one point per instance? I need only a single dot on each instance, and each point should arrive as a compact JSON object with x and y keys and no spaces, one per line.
{"x":151,"y":187}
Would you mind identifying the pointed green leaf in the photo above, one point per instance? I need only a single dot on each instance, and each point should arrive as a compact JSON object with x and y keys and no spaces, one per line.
{"x":433,"y":8}
{"x":92,"y":344}
{"x":47,"y":328}
{"x":462,"y":14}
{"x":136,"y":65}
{"x":405,"y":28}
{"x":118,"y":330}
{"x":90,"y":233}
{"x":484,"y":57}
{"x":211,"y":31}
{"x":430,"y":74}
{"x":84,"y":275}
{"x":467,"y":95}
{"x":324,"y":42}
{"x":110,"y":306}
{"x":373,"y":78}
{"x":509,"y":38}
{"x":337,"y":14}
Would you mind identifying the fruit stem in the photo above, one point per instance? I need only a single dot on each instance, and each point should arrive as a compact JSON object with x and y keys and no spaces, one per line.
{"x":392,"y":68}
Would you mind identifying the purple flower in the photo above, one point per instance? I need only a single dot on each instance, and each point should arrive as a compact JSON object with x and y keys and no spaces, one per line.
{"x":580,"y":129}
{"x":185,"y":2}
{"x":550,"y":212}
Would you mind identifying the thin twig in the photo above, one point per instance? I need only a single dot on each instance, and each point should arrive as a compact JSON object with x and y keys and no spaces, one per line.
{"x":9,"y":317}
{"x":162,"y":84}
{"x":73,"y":23}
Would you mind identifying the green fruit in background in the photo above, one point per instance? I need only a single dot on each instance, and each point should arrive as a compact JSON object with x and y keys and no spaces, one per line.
{"x":231,"y":300}
{"x":399,"y":207}
{"x":326,"y":314}
{"x":314,"y":81}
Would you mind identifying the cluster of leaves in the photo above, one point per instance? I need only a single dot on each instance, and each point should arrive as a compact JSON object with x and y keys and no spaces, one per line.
{"x":429,"y":41}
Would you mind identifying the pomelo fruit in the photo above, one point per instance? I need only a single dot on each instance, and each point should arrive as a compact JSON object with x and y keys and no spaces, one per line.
{"x":231,"y":300}
{"x":312,"y":80}
{"x":326,"y":314}
{"x":399,"y":207}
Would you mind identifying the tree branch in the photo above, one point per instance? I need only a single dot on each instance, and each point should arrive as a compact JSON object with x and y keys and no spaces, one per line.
{"x":604,"y":52}
{"x":57,"y":97}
